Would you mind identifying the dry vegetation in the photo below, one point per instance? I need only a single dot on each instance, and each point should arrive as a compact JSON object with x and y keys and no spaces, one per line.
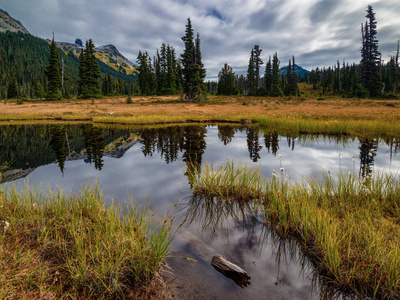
{"x":217,"y":107}
{"x":73,"y":246}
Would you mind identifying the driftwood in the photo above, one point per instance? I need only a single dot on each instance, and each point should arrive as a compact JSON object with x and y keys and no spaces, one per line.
{"x":231,"y":270}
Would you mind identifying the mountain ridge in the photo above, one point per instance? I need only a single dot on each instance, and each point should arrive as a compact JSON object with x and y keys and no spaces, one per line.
{"x":299,"y":70}
{"x":107,"y":54}
{"x":8,"y":23}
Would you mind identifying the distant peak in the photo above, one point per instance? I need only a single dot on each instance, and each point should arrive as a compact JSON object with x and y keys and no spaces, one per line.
{"x":8,"y":23}
{"x":107,"y":47}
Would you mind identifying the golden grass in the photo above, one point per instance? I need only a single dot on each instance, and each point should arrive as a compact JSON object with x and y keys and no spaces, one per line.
{"x":278,"y":112}
{"x":58,"y":246}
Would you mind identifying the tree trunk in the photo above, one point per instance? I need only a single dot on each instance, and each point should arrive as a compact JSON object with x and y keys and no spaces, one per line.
{"x":230,"y":270}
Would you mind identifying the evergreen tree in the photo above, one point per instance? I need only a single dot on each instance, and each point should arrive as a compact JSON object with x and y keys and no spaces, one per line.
{"x":276,"y":89}
{"x":370,"y":56}
{"x":251,"y":76}
{"x":171,"y":71}
{"x":200,"y":65}
{"x":227,"y":81}
{"x":39,"y":90}
{"x":268,"y":77}
{"x":192,"y":67}
{"x":253,"y":70}
{"x":54,"y":74}
{"x":13,"y":91}
{"x":293,"y":90}
{"x":257,"y":64}
{"x":89,"y":72}
{"x":146,"y":77}
{"x":288,"y":79}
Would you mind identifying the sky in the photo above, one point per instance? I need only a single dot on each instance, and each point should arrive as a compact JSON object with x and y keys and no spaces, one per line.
{"x":316,"y":32}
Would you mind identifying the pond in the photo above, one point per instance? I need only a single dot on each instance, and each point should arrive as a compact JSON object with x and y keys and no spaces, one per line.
{"x":149,"y":165}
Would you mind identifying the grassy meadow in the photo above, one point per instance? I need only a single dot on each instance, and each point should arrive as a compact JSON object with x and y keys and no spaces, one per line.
{"x":309,"y":113}
{"x":55,"y":245}
{"x":348,"y":226}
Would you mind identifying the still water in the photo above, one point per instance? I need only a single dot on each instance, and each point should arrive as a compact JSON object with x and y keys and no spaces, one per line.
{"x":149,"y":165}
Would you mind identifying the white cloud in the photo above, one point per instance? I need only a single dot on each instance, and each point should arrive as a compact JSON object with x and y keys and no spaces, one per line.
{"x":316,"y":32}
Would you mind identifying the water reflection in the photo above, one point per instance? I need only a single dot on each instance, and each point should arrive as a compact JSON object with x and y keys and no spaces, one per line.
{"x":368,"y":148}
{"x":25,"y":147}
{"x":253,"y":144}
{"x":271,"y":140}
{"x":218,"y":217}
{"x":95,"y":145}
{"x":226,"y":133}
{"x":59,"y":142}
{"x":150,"y":162}
{"x":213,"y":215}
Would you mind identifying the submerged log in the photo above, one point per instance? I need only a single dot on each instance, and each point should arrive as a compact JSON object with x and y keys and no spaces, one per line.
{"x":231,"y":270}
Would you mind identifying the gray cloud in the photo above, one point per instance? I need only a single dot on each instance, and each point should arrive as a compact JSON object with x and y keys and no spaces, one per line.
{"x":316,"y":32}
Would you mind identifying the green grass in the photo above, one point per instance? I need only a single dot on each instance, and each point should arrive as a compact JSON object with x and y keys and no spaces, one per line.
{"x":348,"y":226}
{"x":59,"y":246}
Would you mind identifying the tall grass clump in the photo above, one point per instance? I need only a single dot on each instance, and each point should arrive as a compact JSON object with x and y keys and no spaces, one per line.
{"x":56,"y":246}
{"x":349,"y":226}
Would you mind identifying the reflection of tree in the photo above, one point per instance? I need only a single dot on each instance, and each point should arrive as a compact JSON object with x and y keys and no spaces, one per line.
{"x":226,"y":133}
{"x":149,"y":141}
{"x":215,"y":215}
{"x":170,"y":142}
{"x":368,"y":148}
{"x":25,"y":146}
{"x":95,"y":144}
{"x":59,"y":144}
{"x":167,"y":141}
{"x":194,"y":144}
{"x":272,"y":142}
{"x":290,"y":141}
{"x":253,"y":144}
{"x":394,"y":146}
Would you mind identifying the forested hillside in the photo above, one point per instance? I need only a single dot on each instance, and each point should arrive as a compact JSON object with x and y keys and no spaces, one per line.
{"x":23,"y":62}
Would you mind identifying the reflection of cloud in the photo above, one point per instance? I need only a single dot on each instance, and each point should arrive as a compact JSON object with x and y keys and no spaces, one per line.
{"x":325,"y":30}
{"x":153,"y":180}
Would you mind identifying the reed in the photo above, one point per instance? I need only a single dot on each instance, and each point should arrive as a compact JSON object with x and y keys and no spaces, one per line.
{"x":57,"y":245}
{"x":348,"y":226}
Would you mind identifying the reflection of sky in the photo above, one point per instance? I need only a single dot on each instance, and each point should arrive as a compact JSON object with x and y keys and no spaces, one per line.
{"x":163,"y":184}
{"x":308,"y":158}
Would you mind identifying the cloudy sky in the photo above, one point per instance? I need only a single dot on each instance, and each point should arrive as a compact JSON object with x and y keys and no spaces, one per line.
{"x":316,"y":32}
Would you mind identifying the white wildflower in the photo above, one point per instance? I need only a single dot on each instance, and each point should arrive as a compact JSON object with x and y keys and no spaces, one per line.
{"x":282,"y":169}
{"x":280,"y":156}
{"x":352,"y":157}
{"x":6,"y":225}
{"x":274,"y":174}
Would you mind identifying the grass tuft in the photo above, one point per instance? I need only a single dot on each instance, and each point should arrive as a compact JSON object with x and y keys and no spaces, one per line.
{"x":348,"y":226}
{"x":60,"y":246}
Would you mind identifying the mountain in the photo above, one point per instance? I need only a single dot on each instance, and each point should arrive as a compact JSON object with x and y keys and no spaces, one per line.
{"x":108,"y":54}
{"x":114,"y":62}
{"x":299,"y":70}
{"x":7,"y":23}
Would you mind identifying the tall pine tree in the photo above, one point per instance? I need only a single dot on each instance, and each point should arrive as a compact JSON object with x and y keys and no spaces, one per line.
{"x":89,"y":73}
{"x":370,"y":64}
{"x":227,"y":81}
{"x":192,"y":67}
{"x":268,"y":76}
{"x":54,"y":74}
{"x":276,"y":89}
